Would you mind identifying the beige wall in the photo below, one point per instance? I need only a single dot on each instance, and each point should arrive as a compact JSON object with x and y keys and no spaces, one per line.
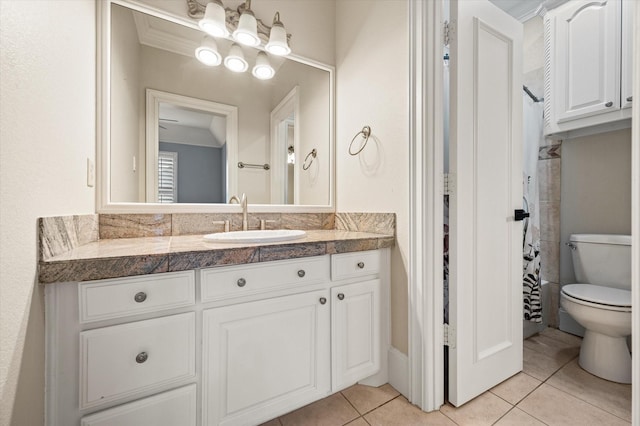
{"x":596,"y":190}
{"x":372,"y":59}
{"x":47,"y":131}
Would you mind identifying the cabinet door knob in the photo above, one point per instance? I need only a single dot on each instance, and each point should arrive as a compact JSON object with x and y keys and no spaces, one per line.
{"x":323,"y":300}
{"x":341,"y":296}
{"x":630,"y":99}
{"x":140,"y":297}
{"x":301,"y":273}
{"x":241,"y":282}
{"x":141,"y":357}
{"x":361,"y":265}
{"x":609,"y":104}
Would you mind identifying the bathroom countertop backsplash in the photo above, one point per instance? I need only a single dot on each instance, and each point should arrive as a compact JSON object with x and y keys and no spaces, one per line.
{"x":90,"y":247}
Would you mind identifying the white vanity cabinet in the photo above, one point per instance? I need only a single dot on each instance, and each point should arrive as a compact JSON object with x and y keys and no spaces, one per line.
{"x":229,"y":345}
{"x":587,"y":67}
{"x":261,"y":359}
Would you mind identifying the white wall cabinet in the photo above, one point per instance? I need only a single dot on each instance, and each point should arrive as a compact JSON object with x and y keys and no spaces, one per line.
{"x":233,"y":345}
{"x":586,"y":72}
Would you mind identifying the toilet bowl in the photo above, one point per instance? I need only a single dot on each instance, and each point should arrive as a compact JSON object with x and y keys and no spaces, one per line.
{"x":601,"y":303}
{"x":604,"y":350}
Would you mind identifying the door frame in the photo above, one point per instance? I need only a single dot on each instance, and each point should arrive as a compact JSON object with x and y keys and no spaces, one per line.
{"x":426,"y":357}
{"x":426,"y":353}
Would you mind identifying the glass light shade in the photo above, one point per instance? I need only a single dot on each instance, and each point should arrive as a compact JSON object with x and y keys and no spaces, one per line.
{"x":262,"y":69}
{"x":277,"y":44}
{"x":235,"y":60}
{"x":207,"y":53}
{"x":247,"y":31}
{"x":213,"y":22}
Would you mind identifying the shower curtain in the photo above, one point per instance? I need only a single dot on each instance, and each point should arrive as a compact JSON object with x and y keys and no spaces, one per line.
{"x":532,"y":124}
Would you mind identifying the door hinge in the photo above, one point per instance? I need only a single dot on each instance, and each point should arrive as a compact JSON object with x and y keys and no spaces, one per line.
{"x":448,"y":183}
{"x":449,"y":335}
{"x":446,"y":33}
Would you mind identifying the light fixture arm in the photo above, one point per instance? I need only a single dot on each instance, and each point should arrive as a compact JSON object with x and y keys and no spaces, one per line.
{"x":195,"y":10}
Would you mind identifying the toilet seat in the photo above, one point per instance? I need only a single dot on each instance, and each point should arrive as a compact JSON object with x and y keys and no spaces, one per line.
{"x":610,"y":298}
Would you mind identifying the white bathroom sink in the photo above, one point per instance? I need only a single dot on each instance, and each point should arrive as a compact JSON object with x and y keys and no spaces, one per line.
{"x":261,"y":236}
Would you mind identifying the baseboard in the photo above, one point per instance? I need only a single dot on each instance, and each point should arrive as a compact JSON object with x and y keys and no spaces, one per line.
{"x":399,"y":371}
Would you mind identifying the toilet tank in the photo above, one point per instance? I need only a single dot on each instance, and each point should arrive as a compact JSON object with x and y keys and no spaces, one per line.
{"x":602,"y":259}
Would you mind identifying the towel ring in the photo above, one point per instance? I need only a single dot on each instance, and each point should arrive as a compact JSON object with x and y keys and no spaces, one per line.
{"x":365,"y":132}
{"x":312,"y":154}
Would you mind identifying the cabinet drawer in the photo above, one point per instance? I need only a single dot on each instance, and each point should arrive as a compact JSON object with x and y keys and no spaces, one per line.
{"x":353,"y":265}
{"x":107,"y":299}
{"x":175,"y":407}
{"x":247,"y":280}
{"x":119,"y":361}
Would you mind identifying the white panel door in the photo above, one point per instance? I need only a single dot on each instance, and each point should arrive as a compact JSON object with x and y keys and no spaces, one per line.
{"x":587,"y":60}
{"x":265,"y":358}
{"x":485,"y":248}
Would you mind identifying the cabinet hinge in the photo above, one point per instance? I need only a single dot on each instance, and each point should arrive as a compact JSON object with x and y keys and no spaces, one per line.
{"x":449,"y":335}
{"x":448,"y":183}
{"x":446,"y":33}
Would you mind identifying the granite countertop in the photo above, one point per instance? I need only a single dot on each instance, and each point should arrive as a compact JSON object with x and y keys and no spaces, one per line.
{"x":121,"y":257}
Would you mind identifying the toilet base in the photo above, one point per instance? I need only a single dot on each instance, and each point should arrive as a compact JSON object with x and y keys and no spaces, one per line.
{"x":605,"y":356}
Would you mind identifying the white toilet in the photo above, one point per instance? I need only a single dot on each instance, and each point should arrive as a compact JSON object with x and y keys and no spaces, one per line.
{"x":601,"y":302}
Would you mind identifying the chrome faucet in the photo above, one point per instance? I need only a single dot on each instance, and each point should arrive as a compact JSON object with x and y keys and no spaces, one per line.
{"x":243,"y":203}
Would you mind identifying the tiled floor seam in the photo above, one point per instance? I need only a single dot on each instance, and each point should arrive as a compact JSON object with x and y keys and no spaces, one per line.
{"x":373,"y":409}
{"x":587,"y":402}
{"x":454,"y":422}
{"x":532,"y":415}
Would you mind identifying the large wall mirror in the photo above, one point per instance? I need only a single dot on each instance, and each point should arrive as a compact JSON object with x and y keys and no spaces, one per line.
{"x":177,"y":135}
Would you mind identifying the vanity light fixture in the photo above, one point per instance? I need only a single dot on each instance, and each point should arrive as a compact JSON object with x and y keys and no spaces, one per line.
{"x":263,"y":69}
{"x":235,"y":59}
{"x":247,"y":31}
{"x":278,"y":44}
{"x":207,"y":52}
{"x":213,"y":21}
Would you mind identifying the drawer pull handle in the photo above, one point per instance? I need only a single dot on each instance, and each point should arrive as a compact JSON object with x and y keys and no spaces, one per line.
{"x":241,"y":282}
{"x":609,"y":104}
{"x":341,"y":296}
{"x":361,"y":265}
{"x":141,"y":357}
{"x":301,"y":273}
{"x":140,"y":297}
{"x":323,"y":300}
{"x":630,"y":99}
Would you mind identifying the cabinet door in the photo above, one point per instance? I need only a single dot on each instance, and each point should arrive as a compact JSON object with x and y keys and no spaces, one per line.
{"x":627,"y":52}
{"x":265,"y":358}
{"x":587,"y":37}
{"x":355,"y":332}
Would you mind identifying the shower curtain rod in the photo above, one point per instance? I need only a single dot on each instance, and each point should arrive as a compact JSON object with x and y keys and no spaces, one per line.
{"x":531,"y":95}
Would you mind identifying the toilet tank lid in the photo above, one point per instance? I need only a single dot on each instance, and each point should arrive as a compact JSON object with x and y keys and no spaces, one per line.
{"x":601,"y":239}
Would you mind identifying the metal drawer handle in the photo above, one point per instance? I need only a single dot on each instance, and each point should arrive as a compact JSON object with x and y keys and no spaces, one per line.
{"x":340,"y":296}
{"x":323,"y":300}
{"x":140,"y":297}
{"x":301,"y":273}
{"x":361,"y":265}
{"x":609,"y":104}
{"x":141,"y":357}
{"x":241,"y":282}
{"x":630,"y":99}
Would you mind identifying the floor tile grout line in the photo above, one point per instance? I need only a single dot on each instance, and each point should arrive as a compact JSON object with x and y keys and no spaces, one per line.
{"x":373,"y":409}
{"x":587,"y":402}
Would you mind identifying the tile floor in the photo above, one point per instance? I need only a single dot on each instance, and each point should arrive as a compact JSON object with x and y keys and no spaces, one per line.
{"x":551,"y":390}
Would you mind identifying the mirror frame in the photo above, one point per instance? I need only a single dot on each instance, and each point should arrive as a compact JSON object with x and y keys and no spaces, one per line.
{"x":103,"y":127}
{"x":152,"y":139}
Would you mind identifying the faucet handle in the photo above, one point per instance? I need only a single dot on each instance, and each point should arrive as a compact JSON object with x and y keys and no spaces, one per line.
{"x":264,"y":223}
{"x":225,"y":223}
